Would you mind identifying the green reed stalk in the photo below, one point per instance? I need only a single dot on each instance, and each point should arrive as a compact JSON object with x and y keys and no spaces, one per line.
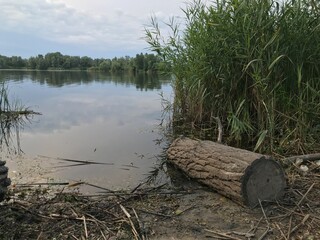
{"x":4,"y":100}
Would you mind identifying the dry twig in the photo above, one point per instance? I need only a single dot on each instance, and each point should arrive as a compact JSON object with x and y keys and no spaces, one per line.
{"x":225,"y":235}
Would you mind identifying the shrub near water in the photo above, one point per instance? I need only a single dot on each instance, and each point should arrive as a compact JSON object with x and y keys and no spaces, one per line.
{"x":252,"y":63}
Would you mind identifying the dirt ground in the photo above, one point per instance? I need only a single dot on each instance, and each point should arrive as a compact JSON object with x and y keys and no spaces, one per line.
{"x":181,"y":209}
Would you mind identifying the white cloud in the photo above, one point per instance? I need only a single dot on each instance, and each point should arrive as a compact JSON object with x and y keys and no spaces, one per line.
{"x":95,"y":24}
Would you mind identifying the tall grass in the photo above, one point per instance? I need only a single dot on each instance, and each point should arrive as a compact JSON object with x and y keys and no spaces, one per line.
{"x":252,"y":63}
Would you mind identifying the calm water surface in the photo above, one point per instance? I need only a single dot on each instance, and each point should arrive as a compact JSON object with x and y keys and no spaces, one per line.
{"x":92,"y":117}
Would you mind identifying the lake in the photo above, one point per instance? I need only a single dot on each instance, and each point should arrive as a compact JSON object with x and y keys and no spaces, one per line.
{"x":88,"y":116}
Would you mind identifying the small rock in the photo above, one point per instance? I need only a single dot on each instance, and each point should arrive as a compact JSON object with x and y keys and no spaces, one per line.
{"x":304,"y":168}
{"x":298,"y":161}
{"x":122,"y":235}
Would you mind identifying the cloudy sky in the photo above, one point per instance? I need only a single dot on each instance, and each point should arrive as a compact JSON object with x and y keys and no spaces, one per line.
{"x":95,"y":28}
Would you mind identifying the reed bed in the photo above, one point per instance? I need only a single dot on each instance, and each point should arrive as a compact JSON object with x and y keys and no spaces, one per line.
{"x":254,"y":64}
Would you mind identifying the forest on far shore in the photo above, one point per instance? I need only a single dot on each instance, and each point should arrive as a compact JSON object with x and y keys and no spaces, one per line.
{"x":57,"y":61}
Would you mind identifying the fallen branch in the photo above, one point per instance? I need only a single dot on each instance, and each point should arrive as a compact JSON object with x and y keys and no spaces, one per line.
{"x":80,"y":162}
{"x":155,"y":213}
{"x":265,"y":233}
{"x":85,"y":226}
{"x":267,"y":221}
{"x":281,"y":232}
{"x":304,"y":196}
{"x":42,"y":184}
{"x":307,"y":157}
{"x":225,"y":235}
{"x":133,"y":229}
{"x":301,"y":223}
{"x":141,"y":227}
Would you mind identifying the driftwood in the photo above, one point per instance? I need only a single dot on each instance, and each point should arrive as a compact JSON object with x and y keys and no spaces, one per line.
{"x":243,"y":176}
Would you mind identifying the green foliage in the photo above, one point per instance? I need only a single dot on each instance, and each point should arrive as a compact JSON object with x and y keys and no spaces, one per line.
{"x":252,"y":63}
{"x":10,"y":62}
{"x":57,"y":61}
{"x":105,"y":66}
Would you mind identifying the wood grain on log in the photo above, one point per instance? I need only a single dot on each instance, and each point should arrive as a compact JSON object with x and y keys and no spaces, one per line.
{"x":238,"y":174}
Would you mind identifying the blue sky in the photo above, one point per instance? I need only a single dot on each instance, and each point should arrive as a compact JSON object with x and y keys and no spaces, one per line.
{"x":95,"y":28}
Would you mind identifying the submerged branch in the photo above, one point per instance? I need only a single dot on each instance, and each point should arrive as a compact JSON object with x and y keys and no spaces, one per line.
{"x":23,"y":112}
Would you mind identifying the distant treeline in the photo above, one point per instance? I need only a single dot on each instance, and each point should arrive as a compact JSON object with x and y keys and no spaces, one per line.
{"x":57,"y":61}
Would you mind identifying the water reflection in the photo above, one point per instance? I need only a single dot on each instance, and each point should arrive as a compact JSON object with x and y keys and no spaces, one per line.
{"x":141,"y":81}
{"x":92,"y":117}
{"x":13,"y":117}
{"x":9,"y":134}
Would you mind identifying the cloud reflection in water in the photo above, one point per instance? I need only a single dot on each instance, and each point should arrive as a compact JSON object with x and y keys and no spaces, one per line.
{"x":102,"y":121}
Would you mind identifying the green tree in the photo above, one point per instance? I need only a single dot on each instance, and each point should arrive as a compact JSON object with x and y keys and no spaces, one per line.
{"x":75,"y":62}
{"x":32,"y":63}
{"x":54,"y":60}
{"x":105,"y":66}
{"x":86,"y":62}
{"x":139,"y":62}
{"x":41,"y":63}
{"x":17,"y":62}
{"x":3,"y":62}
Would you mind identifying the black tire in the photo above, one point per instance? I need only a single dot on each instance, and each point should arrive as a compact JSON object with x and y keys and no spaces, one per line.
{"x":4,"y":180}
{"x":3,"y":192}
{"x":3,"y":169}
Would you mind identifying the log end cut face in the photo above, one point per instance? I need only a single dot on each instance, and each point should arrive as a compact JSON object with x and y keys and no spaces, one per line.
{"x":264,"y":179}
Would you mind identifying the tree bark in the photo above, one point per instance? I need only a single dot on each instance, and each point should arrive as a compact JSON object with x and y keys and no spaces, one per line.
{"x":241,"y":175}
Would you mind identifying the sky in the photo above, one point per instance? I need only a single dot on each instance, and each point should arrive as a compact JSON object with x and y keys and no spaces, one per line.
{"x":94,"y":28}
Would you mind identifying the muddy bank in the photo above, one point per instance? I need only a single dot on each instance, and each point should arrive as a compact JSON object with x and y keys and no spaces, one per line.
{"x":183,"y":211}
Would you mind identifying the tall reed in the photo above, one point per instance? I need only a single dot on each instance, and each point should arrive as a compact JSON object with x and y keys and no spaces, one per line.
{"x":4,"y":99}
{"x":252,"y":63}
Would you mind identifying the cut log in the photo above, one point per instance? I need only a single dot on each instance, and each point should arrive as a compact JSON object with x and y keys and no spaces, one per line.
{"x":241,"y":175}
